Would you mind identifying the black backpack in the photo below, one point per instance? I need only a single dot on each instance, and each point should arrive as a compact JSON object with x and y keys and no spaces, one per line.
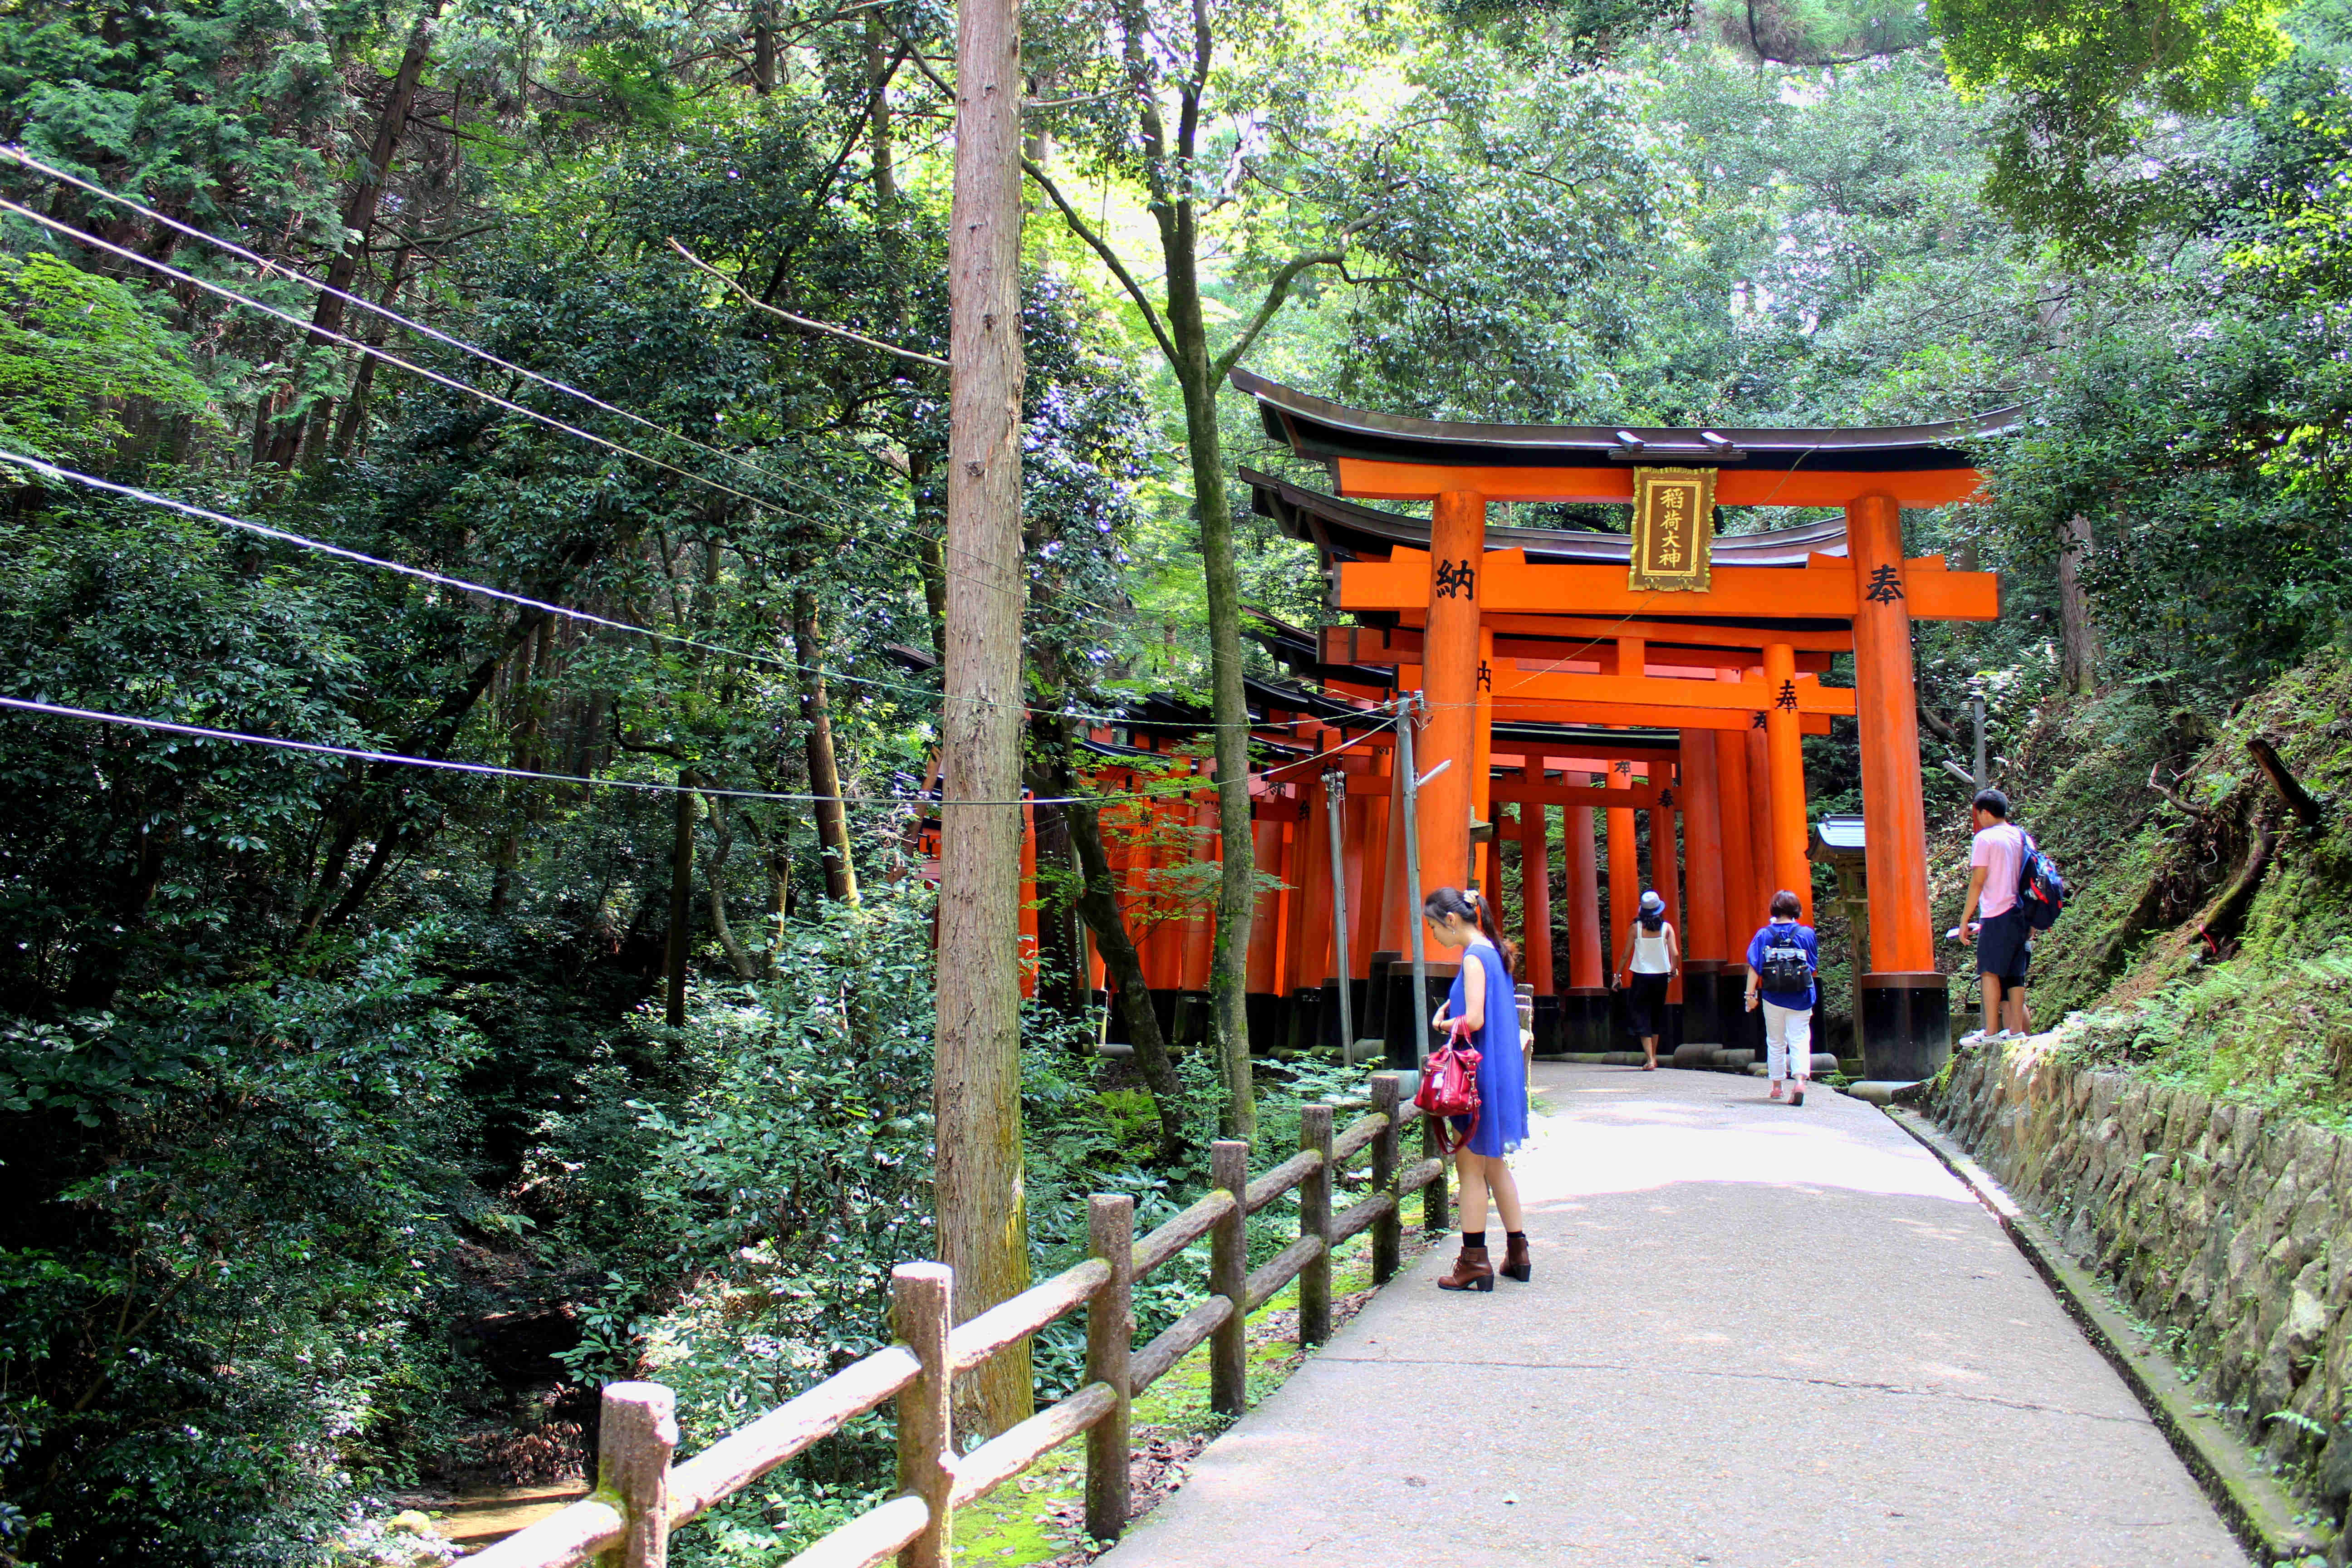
{"x":1785,"y":967}
{"x":2041,"y":891}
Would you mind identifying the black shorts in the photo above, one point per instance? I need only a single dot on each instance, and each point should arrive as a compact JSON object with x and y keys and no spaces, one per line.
{"x":1646,"y":1005}
{"x":2004,"y":946}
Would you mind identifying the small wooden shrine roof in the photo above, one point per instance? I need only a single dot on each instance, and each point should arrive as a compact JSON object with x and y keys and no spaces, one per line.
{"x":1349,"y":531}
{"x":1316,"y":428}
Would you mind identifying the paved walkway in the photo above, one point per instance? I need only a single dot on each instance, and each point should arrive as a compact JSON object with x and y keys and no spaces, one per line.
{"x":1756,"y":1336}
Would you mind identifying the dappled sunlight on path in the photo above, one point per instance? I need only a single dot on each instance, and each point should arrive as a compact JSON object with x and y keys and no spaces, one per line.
{"x":1605,"y":1138}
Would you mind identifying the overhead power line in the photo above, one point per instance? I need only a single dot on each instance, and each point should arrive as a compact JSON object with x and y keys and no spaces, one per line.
{"x":491,"y":770}
{"x":279,"y":269}
{"x":452,"y":383}
{"x":524,"y":601}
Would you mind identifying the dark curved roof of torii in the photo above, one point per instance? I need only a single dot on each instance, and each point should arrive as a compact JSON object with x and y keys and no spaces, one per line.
{"x":1348,"y":530}
{"x":1316,"y":428}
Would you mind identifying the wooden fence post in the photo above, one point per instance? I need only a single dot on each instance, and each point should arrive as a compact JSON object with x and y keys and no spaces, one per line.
{"x":1111,"y":1335}
{"x":1315,"y":1220}
{"x":1229,"y":1277}
{"x":1387,"y":1230}
{"x":922,"y":1300}
{"x":1434,"y":1200}
{"x":636,"y":1434}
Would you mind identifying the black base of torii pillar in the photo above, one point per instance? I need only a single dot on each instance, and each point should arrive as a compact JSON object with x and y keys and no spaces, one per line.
{"x":1905,"y":1026}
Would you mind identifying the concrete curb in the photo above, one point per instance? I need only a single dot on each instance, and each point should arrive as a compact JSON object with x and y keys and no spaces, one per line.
{"x":2259,"y":1511}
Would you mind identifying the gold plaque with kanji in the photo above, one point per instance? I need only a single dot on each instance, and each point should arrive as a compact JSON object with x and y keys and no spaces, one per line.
{"x":1674,"y":529}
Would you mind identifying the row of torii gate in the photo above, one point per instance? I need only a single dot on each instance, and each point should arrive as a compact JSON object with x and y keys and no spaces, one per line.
{"x":1663,"y":678}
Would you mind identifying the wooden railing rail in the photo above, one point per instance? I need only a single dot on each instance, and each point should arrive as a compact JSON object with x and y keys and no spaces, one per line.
{"x":641,"y":1496}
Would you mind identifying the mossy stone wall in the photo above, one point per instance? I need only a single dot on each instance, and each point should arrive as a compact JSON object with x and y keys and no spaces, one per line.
{"x":2225,"y":1226}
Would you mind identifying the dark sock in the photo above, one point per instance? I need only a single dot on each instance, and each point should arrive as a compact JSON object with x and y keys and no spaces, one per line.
{"x":1473,"y":1238}
{"x":1510,"y":1235}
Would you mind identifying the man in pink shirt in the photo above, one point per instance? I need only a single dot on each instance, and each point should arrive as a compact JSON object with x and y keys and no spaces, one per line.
{"x":1996,"y":859}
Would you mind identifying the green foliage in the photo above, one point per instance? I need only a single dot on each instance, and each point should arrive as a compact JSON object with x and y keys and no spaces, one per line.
{"x":2269,"y":1016}
{"x":76,"y":351}
{"x":2083,"y":81}
{"x":252,"y":1246}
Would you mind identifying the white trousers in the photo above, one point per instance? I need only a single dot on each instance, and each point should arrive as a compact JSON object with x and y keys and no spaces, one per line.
{"x":1788,"y":1041}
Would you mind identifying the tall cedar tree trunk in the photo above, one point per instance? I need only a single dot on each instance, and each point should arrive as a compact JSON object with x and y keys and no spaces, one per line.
{"x":1098,"y":906}
{"x":763,"y":48}
{"x":678,"y":947}
{"x":358,"y":212}
{"x":983,"y":1215}
{"x":824,"y":770}
{"x":354,"y":420}
{"x":879,"y":69}
{"x":2078,"y":639}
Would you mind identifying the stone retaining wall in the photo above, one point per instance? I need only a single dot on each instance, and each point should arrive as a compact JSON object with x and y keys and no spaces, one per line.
{"x":2229,"y":1227}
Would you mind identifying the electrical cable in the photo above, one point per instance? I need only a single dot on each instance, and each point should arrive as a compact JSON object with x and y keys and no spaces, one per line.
{"x":453,"y":384}
{"x":274,"y":269}
{"x":492,"y":770}
{"x":566,"y":612}
{"x":17,"y":155}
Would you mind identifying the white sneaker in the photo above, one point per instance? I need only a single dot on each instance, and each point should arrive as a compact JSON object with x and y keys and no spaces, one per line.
{"x":1975,"y":1038}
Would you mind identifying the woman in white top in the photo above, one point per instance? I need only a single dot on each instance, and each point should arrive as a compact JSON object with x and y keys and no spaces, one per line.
{"x":1652,"y":955}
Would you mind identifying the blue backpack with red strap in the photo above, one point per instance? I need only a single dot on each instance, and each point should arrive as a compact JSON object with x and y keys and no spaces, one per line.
{"x":2041,"y":891}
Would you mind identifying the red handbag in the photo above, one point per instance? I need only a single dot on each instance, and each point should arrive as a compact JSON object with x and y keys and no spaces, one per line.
{"x":1449,"y":1083}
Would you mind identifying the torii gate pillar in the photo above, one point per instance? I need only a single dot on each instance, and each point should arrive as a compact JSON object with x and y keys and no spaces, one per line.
{"x":1743,"y":911}
{"x":1703,"y":928}
{"x":1535,"y":909}
{"x":1906,"y":1023}
{"x":1457,"y":543}
{"x":1785,"y":758}
{"x":1584,"y":1001}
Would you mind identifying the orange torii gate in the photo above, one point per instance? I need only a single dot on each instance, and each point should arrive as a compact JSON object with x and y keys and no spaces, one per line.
{"x":1458,"y":599}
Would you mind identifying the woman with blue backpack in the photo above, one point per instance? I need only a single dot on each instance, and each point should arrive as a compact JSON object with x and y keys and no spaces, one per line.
{"x":1782,"y":958}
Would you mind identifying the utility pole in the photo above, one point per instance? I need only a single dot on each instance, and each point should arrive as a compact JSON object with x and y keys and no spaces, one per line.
{"x":1407,"y":707}
{"x":1976,"y":713}
{"x":1335,"y":798}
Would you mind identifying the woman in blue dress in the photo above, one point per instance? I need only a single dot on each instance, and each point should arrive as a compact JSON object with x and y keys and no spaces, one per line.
{"x":1482,"y":998}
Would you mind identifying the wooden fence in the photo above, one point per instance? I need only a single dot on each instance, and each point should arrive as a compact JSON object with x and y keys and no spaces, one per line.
{"x":641,"y":1496}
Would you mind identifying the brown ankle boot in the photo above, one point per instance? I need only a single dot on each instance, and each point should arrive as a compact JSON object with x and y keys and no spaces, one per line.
{"x":1515,"y":1259}
{"x":1471,"y":1272}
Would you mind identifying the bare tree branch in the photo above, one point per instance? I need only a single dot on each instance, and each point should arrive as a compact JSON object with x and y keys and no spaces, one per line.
{"x":2173,"y":798}
{"x":1110,"y":259}
{"x":1277,"y":290}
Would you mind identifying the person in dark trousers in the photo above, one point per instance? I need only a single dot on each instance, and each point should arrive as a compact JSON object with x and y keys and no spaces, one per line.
{"x":2004,"y":942}
{"x":1783,"y":958}
{"x":1653,"y":953}
{"x":1482,"y":998}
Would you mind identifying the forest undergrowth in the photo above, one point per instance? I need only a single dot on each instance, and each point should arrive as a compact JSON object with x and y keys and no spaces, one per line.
{"x":2208,"y":934}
